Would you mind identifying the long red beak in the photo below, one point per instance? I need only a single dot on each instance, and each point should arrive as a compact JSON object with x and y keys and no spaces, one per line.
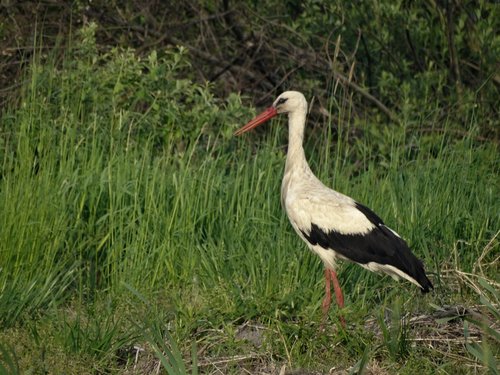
{"x":260,"y":119}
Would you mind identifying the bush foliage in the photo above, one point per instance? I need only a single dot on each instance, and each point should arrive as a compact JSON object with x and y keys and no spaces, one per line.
{"x":401,"y":60}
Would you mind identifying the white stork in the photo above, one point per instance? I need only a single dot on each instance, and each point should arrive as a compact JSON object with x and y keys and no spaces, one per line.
{"x":333,"y":225}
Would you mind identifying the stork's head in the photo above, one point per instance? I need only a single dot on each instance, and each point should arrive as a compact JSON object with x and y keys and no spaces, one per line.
{"x":288,"y":102}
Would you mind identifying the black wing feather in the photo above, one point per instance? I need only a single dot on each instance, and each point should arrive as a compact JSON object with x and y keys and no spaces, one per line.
{"x":380,"y":245}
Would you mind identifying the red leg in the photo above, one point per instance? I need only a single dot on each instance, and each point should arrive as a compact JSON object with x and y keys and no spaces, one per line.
{"x":327,"y":301}
{"x":338,"y":294}
{"x":328,"y":297}
{"x":336,"y":287}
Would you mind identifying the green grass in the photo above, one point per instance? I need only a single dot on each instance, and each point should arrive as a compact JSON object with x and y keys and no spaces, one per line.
{"x":135,"y":232}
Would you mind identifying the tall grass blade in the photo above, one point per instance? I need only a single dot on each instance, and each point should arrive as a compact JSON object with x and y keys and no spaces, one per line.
{"x":8,"y":360}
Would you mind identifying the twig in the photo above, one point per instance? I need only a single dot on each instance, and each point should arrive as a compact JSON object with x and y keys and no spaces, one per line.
{"x":368,"y":96}
{"x":440,"y":339}
{"x":285,"y":77}
{"x":223,"y":360}
{"x":450,"y":31}
{"x":413,"y":51}
{"x":486,"y":250}
{"x":468,"y":278}
{"x":456,"y":131}
{"x":495,"y":77}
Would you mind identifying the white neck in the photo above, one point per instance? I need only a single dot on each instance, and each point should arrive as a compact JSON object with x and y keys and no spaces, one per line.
{"x":295,"y":157}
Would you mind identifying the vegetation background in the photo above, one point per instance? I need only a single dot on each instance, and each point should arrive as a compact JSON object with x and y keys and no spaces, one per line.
{"x":138,"y":236}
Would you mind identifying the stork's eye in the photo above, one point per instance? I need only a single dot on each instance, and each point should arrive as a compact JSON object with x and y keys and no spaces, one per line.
{"x":281,"y":101}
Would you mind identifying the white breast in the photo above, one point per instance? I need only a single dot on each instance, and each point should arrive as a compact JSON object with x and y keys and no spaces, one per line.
{"x":306,"y":201}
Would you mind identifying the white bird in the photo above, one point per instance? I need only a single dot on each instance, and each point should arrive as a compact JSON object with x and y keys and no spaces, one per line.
{"x":333,"y":225}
